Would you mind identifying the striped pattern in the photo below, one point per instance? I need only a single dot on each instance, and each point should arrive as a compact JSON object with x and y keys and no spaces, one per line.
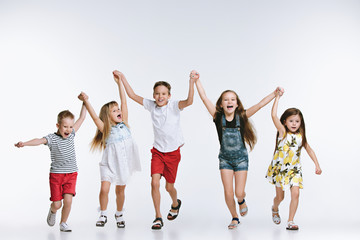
{"x":63,"y":158}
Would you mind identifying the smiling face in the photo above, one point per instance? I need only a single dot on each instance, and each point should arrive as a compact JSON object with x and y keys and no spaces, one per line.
{"x":66,"y":126}
{"x":115,"y":114}
{"x":293,"y":123}
{"x":161,"y":95}
{"x":229,"y":103}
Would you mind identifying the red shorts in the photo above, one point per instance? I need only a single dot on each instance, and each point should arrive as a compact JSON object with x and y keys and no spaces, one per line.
{"x":165,"y":164}
{"x":62,"y":183}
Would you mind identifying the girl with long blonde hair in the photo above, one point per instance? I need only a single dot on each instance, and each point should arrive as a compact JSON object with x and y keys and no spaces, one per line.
{"x":120,"y":157}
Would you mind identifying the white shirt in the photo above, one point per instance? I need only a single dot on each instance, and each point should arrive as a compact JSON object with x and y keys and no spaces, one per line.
{"x":166,"y":124}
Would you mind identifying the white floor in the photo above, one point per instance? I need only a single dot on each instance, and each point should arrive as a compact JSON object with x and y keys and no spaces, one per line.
{"x":184,"y":229}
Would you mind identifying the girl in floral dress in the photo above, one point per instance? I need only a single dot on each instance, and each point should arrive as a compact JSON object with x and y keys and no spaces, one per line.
{"x":285,"y":169}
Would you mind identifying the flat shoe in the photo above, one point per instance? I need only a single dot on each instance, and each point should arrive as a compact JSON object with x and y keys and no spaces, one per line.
{"x":172,"y":215}
{"x":157,"y":224}
{"x":234,"y":225}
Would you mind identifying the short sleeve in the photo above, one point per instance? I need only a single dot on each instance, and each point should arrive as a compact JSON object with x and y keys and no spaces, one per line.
{"x":49,"y":140}
{"x":148,"y":104}
{"x":175,"y":105}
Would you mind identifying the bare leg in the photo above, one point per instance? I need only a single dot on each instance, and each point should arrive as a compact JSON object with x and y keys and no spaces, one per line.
{"x":227,"y":180}
{"x":294,"y":202}
{"x":55,"y":206}
{"x":66,"y":208}
{"x":155,"y":193}
{"x":173,"y":194}
{"x":104,"y":195}
{"x":120,"y":196}
{"x":240,"y":182}
{"x":279,"y":197}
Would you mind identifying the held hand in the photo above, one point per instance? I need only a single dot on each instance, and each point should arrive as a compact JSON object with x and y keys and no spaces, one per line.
{"x":279,"y":91}
{"x":19,"y":144}
{"x":318,"y":170}
{"x":117,"y":76}
{"x":194,"y":75}
{"x":83,"y":97}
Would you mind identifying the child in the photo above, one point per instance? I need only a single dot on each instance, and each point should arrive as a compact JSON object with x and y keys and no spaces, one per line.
{"x":285,"y":169}
{"x":234,"y":129}
{"x":165,"y":115}
{"x":120,"y":158}
{"x":63,"y":170}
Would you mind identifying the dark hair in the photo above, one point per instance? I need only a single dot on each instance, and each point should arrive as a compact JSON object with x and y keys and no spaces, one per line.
{"x":291,"y":112}
{"x":246,"y":128}
{"x":162,"y":83}
{"x":64,"y":114}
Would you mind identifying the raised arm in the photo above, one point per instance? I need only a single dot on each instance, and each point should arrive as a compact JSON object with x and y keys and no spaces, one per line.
{"x":130,"y":92}
{"x":281,"y":129}
{"x":251,"y":111}
{"x":123,"y":104}
{"x":208,"y":104}
{"x":194,"y":75}
{"x":33,"y":142}
{"x":99,"y":124}
{"x":314,"y":158}
{"x":81,"y":118}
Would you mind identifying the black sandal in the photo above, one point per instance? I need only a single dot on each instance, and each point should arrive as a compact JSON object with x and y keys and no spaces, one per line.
{"x":172,"y":215}
{"x":157,"y":224}
{"x":101,"y":223}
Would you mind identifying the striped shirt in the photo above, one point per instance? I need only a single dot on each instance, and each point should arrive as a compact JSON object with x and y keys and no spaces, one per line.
{"x":62,"y":151}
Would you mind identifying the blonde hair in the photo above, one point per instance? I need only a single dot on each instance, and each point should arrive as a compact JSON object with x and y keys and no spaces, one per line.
{"x":246,"y":128}
{"x":99,"y":140}
{"x":64,"y":114}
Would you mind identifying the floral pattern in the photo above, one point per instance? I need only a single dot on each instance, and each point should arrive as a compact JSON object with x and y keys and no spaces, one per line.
{"x":285,"y":168}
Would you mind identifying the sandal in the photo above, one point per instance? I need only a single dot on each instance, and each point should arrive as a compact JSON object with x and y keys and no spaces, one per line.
{"x":172,"y":215}
{"x":292,"y":226}
{"x":234,"y":225}
{"x":120,"y":222}
{"x":244,"y":211}
{"x":157,"y":224}
{"x":102,"y":220}
{"x":275,"y":216}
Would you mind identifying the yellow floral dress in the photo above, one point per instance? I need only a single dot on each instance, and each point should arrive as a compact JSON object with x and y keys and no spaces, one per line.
{"x":285,"y":168}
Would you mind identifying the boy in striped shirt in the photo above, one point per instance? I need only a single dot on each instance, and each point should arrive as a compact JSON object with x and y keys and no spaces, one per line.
{"x":63,"y":170}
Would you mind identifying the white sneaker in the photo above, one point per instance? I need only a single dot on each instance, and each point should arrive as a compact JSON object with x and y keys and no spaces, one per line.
{"x":64,"y":227}
{"x":51,"y":218}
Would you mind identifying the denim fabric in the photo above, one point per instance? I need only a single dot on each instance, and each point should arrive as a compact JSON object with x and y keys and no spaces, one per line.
{"x":118,"y":133}
{"x":233,"y":153}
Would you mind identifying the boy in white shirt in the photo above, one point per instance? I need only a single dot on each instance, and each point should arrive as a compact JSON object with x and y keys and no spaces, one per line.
{"x":168,"y":139}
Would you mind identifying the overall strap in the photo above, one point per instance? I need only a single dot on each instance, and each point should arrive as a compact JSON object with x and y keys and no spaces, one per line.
{"x":223,"y":121}
{"x":237,"y":120}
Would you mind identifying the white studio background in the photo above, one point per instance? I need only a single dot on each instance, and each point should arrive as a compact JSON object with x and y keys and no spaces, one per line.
{"x":52,"y":50}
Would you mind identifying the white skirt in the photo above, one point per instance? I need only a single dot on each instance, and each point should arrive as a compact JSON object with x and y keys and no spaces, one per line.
{"x":119,"y":161}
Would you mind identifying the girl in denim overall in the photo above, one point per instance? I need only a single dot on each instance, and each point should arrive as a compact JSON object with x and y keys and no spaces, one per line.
{"x":234,"y":130}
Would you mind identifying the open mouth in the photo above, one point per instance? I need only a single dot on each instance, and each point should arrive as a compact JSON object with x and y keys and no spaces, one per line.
{"x":230,"y":107}
{"x":66,"y":134}
{"x":119,"y":116}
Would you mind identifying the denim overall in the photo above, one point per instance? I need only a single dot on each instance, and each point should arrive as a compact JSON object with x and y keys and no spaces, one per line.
{"x":233,"y":154}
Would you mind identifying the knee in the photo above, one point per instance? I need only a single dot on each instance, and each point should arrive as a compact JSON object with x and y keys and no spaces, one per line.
{"x":229,"y":194}
{"x":279,"y":198}
{"x":120,"y":190}
{"x":67,"y":201}
{"x":155,"y":184}
{"x":240,"y":195}
{"x":295,"y":194}
{"x":169,"y":187}
{"x":104,"y":191}
{"x":56,"y":205}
